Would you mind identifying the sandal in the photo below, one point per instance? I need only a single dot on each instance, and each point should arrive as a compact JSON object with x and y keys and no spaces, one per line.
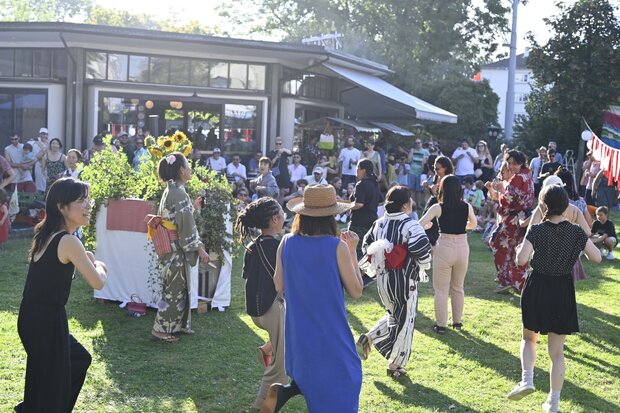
{"x":396,"y":372}
{"x":363,"y":346}
{"x":166,"y":339}
{"x":263,"y":358}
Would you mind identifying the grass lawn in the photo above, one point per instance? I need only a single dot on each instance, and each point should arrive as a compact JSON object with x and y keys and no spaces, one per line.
{"x":215,"y":370}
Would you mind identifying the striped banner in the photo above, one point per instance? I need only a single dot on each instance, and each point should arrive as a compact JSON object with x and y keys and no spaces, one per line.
{"x":611,"y":127}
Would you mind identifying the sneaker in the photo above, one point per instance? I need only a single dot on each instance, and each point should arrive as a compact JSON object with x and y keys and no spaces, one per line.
{"x":549,"y":407}
{"x":439,"y":330}
{"x":521,"y":390}
{"x":610,"y":256}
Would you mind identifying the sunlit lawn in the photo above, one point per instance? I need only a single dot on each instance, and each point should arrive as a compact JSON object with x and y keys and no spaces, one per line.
{"x":215,"y":370}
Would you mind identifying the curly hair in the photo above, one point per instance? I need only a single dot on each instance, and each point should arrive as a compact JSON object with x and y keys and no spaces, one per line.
{"x":256,"y":215}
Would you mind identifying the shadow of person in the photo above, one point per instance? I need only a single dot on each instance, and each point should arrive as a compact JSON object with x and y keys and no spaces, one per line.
{"x":415,"y":394}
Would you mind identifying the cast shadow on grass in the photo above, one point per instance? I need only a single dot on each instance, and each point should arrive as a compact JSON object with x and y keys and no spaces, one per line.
{"x":415,"y":394}
{"x":509,"y":366}
{"x":603,"y":326}
{"x":214,"y":369}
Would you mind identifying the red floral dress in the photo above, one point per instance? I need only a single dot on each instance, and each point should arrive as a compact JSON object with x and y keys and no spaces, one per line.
{"x":518,"y":196}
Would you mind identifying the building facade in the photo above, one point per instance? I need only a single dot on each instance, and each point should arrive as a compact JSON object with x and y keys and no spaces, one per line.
{"x":497,"y":75}
{"x":79,"y":80}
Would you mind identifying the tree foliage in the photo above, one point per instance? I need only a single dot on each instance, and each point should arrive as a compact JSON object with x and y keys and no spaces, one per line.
{"x":43,"y":10}
{"x":577,"y":74}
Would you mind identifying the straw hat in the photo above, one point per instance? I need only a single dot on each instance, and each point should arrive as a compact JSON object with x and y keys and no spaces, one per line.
{"x":319,"y":200}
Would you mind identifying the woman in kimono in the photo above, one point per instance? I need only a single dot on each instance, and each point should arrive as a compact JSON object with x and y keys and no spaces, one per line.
{"x":516,"y":197}
{"x":397,"y":285}
{"x":176,"y":210}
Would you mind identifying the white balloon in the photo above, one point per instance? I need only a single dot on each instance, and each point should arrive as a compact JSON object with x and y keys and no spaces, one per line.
{"x":586,"y":135}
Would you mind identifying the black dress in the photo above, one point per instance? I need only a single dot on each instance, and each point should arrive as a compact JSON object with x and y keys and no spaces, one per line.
{"x":548,"y":302}
{"x":57,"y":363}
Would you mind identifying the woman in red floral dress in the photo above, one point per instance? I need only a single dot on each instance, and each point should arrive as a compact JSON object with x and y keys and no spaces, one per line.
{"x":517,"y":196}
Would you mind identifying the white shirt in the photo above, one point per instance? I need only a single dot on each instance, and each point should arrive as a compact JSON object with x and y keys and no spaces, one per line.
{"x":297,"y":173}
{"x":312,"y":181}
{"x":465,"y":165}
{"x":349,"y":158}
{"x":15,"y":155}
{"x":40,"y":178}
{"x":218,"y":165}
{"x":231,"y":169}
{"x":535,"y":165}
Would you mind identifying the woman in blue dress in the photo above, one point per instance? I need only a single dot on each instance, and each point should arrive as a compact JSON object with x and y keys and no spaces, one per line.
{"x":313,"y":265}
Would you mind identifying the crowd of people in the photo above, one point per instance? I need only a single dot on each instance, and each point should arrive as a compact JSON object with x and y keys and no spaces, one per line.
{"x":298,"y":299}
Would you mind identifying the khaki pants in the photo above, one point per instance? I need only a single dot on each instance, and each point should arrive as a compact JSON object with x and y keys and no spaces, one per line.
{"x":450,"y":261}
{"x":273,"y":322}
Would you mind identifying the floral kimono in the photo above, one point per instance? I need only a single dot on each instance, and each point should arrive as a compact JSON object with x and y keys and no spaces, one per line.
{"x":173,"y":309}
{"x":517,"y":197}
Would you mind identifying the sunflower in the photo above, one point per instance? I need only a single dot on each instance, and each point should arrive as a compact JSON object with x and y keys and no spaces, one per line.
{"x":161,"y":139}
{"x":149,"y":141}
{"x":167,"y":144}
{"x":156,"y":151}
{"x":179,"y":137}
{"x":187,"y":150}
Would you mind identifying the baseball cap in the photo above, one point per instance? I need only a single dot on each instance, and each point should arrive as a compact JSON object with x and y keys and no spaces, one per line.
{"x":216,"y":150}
{"x":317,"y":169}
{"x":553,"y":180}
{"x":98,"y":140}
{"x":43,"y":130}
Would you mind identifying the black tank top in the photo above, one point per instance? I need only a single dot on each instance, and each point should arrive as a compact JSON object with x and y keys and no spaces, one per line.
{"x":49,"y":280}
{"x":453,"y":220}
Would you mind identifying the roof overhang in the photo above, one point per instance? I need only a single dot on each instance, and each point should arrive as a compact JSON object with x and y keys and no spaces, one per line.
{"x":375,"y":99}
{"x":393,"y":128}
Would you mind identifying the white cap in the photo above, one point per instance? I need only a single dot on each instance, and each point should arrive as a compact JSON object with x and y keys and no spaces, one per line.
{"x":317,"y":169}
{"x":553,"y":180}
{"x":43,"y":130}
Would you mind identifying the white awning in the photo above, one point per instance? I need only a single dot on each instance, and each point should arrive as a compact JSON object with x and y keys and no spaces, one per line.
{"x":393,"y":128}
{"x":376,"y":99}
{"x":355,"y":124}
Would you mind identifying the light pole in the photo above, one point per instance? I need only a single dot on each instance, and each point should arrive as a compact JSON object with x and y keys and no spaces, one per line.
{"x":512,"y":68}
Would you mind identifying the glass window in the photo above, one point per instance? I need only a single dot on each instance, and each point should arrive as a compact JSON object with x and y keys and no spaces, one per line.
{"x":256,"y":77}
{"x":160,"y":70}
{"x":200,"y":73}
{"x":23,"y":62}
{"x":119,"y":114}
{"x":42,"y":63}
{"x":96,"y":64}
{"x":179,"y":71}
{"x":218,"y":74}
{"x":238,"y":76}
{"x":30,"y":113}
{"x":6,"y":62}
{"x":139,"y":69}
{"x":240,"y":129}
{"x":59,"y":68}
{"x":117,"y":67}
{"x":6,"y":117}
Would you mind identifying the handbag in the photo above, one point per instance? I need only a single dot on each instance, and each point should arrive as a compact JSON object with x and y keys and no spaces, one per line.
{"x":14,"y":205}
{"x":162,"y":232}
{"x":136,"y":305}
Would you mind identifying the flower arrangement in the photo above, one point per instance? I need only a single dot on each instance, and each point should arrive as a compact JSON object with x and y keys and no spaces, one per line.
{"x":111,"y":177}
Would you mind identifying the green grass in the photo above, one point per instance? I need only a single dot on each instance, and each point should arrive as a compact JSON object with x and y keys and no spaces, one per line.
{"x":215,"y":370}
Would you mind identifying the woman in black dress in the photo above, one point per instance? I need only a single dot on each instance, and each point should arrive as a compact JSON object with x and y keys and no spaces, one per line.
{"x":443,"y":166}
{"x":367,"y":197}
{"x":548,"y":303}
{"x":57,"y":363}
{"x":262,"y":302}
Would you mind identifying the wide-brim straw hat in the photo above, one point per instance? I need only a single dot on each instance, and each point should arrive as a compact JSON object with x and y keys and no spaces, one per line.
{"x":319,"y":200}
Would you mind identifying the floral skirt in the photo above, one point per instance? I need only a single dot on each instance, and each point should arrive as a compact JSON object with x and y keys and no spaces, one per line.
{"x":173,"y":308}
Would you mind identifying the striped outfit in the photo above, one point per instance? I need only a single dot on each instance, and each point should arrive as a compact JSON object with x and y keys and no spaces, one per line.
{"x":392,"y":335}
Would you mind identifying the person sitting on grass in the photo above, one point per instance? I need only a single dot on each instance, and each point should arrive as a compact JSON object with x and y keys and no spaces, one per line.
{"x":604,"y":232}
{"x":301,"y":184}
{"x":548,"y":304}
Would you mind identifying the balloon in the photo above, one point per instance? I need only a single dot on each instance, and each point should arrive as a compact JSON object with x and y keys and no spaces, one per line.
{"x":586,"y":135}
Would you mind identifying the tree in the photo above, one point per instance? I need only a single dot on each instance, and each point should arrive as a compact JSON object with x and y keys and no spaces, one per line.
{"x":43,"y":10}
{"x":577,"y":74}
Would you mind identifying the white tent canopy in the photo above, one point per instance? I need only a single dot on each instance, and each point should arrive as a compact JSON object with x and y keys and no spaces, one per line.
{"x":376,"y":99}
{"x":393,"y":128}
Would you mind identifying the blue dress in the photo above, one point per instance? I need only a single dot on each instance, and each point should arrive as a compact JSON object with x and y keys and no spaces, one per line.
{"x":320,"y":351}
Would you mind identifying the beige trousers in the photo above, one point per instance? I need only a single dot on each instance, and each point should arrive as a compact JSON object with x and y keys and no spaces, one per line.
{"x":273,"y":322}
{"x":450,"y":261}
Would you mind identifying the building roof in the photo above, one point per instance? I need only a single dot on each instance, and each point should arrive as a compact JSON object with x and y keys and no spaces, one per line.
{"x":79,"y":33}
{"x":503,"y":64}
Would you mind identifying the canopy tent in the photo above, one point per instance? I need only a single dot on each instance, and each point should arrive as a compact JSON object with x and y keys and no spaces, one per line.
{"x":374,"y":98}
{"x":393,"y":128}
{"x":324,"y":123}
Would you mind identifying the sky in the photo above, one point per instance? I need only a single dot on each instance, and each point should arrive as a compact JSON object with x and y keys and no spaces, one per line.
{"x":530,"y":16}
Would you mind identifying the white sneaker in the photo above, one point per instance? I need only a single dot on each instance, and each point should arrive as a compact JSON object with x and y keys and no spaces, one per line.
{"x":521,"y":390}
{"x":549,"y":407}
{"x":611,"y":256}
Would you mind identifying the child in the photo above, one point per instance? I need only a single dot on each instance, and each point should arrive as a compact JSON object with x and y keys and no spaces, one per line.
{"x":4,"y":217}
{"x":548,"y":303}
{"x":604,"y":232}
{"x":28,"y":160}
